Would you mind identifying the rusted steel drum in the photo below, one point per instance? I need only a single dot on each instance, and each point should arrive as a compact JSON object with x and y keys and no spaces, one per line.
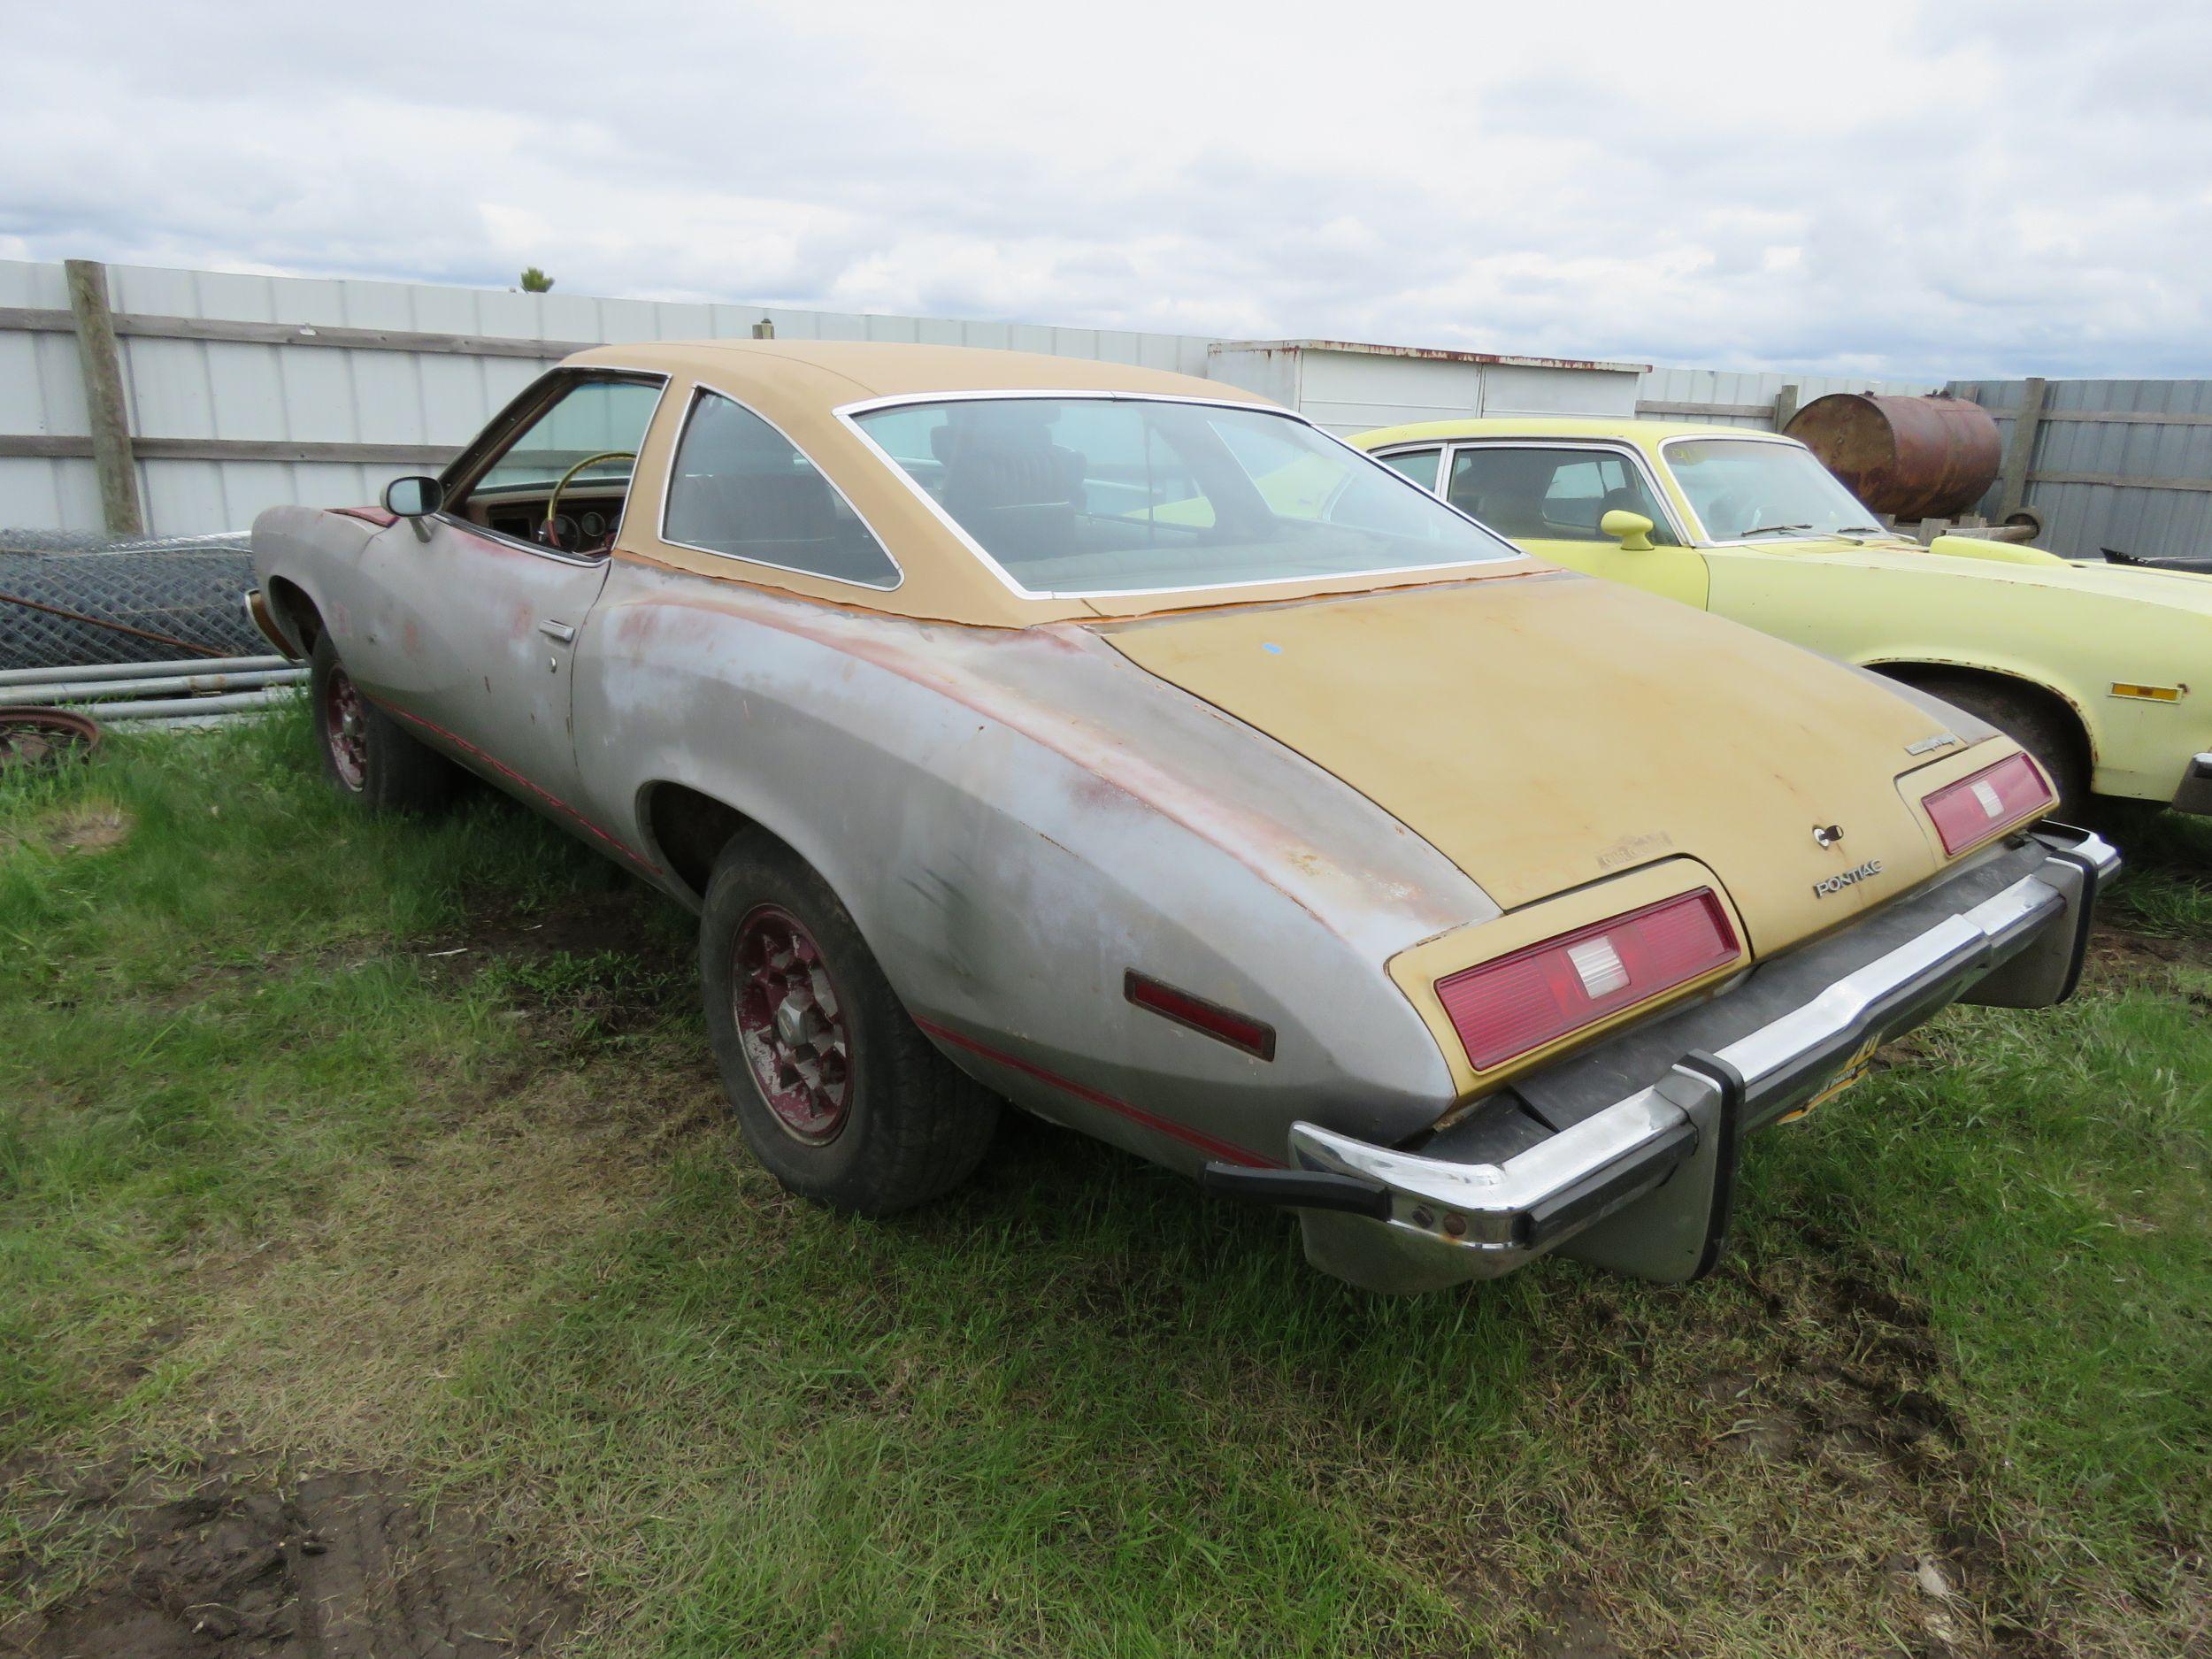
{"x":1911,"y":457}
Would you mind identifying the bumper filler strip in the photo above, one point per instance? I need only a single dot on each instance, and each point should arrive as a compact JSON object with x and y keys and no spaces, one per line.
{"x":2195,"y":794}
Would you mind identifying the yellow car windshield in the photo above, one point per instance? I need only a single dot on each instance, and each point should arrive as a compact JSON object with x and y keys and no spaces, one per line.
{"x":1747,"y":489}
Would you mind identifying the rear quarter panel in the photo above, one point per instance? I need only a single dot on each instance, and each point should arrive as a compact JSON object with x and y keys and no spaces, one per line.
{"x":1014,"y":818}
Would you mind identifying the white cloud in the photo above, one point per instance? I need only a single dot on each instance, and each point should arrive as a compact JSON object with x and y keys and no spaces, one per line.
{"x":1966,"y":188}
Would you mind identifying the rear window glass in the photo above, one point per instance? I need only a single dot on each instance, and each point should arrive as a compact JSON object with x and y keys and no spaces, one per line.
{"x":1077,"y":497}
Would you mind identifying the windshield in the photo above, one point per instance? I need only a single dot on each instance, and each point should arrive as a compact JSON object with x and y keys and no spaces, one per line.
{"x":1745,"y":490}
{"x":1079,"y":496}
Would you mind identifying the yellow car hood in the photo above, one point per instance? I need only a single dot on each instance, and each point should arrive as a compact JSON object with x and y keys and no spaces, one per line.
{"x":1546,"y":732}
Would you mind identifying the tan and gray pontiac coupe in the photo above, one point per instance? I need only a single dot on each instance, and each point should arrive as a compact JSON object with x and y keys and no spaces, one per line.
{"x":1120,"y":745}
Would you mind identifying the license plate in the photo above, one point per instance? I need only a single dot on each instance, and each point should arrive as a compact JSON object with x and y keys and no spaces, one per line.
{"x":1857,"y":1066}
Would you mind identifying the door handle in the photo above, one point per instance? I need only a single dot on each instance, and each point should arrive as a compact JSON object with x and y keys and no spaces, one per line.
{"x":559,"y":631}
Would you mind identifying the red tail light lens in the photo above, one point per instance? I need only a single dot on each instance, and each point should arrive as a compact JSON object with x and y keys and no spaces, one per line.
{"x":1536,"y":995}
{"x":1970,"y":811}
{"x":1224,"y":1025}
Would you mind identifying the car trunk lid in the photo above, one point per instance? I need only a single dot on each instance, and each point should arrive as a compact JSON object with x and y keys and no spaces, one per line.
{"x":1546,"y":732}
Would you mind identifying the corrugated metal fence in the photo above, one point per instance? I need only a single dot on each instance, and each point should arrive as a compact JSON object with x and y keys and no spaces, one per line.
{"x":240,"y":392}
{"x":230,"y":393}
{"x":1764,"y":400}
{"x":2107,"y":463}
{"x":225,"y":394}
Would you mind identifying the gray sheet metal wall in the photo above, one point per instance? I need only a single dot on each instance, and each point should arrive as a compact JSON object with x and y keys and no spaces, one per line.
{"x":1731,"y":398}
{"x":299,"y":394}
{"x":361,"y":405}
{"x":2118,"y":464}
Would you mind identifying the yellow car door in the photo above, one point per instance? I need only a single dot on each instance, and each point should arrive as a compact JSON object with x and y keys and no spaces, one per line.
{"x":1552,"y":498}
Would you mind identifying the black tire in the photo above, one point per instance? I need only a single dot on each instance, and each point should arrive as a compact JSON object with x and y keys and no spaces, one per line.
{"x":373,"y":760}
{"x":871,"y":1118}
{"x":2030,"y":720}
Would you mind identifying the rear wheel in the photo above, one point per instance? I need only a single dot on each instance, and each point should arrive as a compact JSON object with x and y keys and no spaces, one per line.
{"x":837,"y":1090}
{"x":366,"y":754}
{"x":2031,"y":720}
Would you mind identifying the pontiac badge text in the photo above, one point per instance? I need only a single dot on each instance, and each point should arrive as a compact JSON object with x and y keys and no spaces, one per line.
{"x":1844,"y":879}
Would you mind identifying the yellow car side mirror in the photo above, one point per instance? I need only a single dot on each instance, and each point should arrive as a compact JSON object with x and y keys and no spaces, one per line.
{"x":1632,"y":530}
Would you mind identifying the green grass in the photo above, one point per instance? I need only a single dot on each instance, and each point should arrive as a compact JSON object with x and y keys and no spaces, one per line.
{"x":275,"y":1174}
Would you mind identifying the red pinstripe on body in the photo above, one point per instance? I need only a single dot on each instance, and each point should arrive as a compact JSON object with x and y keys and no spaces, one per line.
{"x":506,"y":771}
{"x":1222,"y":1150}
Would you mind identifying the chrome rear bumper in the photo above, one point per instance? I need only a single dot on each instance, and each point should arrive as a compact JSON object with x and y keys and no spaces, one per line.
{"x":1646,"y":1183}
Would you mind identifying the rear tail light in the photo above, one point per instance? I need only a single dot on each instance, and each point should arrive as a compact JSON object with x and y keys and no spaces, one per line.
{"x":1538,"y":995}
{"x":1971,"y":811}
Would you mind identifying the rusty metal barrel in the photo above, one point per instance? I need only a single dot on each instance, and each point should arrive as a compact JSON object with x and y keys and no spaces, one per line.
{"x":1911,"y":457}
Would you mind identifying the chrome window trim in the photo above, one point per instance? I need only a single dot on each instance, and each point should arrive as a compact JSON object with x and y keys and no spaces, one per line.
{"x":557,"y":554}
{"x":1749,"y":435}
{"x":1443,"y":448}
{"x":703,"y":387}
{"x":1631,"y":452}
{"x":847,"y":412}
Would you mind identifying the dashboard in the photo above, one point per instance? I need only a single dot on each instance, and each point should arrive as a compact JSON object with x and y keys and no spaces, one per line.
{"x":585,"y":525}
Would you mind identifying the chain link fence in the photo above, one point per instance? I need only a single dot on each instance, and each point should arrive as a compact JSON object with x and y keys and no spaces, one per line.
{"x":70,"y":601}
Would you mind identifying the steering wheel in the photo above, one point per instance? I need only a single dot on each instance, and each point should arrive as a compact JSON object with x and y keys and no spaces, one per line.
{"x":547,"y":534}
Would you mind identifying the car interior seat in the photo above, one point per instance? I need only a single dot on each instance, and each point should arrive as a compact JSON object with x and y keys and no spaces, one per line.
{"x":1006,"y":479}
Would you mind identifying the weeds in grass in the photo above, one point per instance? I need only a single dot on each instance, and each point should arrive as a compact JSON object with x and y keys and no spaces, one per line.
{"x":601,"y":996}
{"x":2166,"y":890}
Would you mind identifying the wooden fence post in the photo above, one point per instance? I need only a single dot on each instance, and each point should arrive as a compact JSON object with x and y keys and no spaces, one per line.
{"x":102,"y":369}
{"x":2012,"y":481}
{"x":1784,"y":407}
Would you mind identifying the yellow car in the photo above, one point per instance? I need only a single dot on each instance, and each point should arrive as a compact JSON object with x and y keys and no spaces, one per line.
{"x":2104,"y":673}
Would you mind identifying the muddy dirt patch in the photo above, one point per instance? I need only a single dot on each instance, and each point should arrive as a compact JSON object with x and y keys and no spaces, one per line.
{"x":610,"y":964}
{"x":336,"y":1567}
{"x":2123,"y":954}
{"x":628,"y":921}
{"x":82,"y":829}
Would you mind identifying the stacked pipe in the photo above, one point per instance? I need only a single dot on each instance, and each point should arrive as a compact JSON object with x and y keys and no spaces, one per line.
{"x":168,"y":692}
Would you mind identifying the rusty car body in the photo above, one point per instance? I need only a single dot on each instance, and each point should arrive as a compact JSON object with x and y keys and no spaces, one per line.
{"x":1120,"y":745}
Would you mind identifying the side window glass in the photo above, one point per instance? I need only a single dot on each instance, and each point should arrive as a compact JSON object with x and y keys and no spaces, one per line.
{"x":738,"y":486}
{"x":1535,"y":494}
{"x":1417,"y":465}
{"x":1571,"y":500}
{"x":569,"y":468}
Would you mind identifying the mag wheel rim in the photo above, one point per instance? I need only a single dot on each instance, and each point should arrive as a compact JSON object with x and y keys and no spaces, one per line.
{"x":791,"y":1023}
{"x":346,"y":729}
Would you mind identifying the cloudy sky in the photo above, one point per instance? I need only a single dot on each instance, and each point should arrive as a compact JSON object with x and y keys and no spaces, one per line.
{"x":1956,"y":187}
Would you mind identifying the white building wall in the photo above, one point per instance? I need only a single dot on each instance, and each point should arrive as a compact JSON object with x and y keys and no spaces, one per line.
{"x":1348,"y":388}
{"x":1348,"y":393}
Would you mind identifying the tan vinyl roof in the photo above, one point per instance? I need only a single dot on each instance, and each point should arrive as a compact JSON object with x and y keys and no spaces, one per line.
{"x":846,"y":371}
{"x":798,"y":385}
